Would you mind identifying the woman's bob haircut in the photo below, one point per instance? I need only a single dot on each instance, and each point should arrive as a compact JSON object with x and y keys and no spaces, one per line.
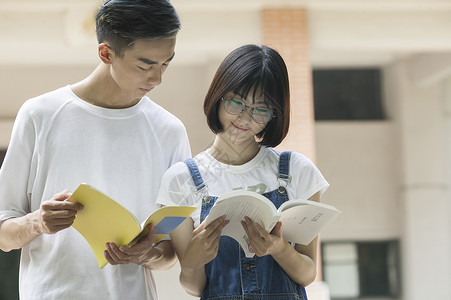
{"x":261,"y":71}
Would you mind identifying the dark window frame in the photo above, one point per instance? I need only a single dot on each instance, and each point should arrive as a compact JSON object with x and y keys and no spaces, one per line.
{"x":369,"y":268}
{"x":348,"y":94}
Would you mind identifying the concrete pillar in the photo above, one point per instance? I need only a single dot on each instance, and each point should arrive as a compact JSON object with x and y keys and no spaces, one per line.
{"x":424,"y":131}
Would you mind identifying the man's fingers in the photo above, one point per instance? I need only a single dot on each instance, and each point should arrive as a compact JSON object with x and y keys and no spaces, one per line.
{"x":58,"y":217}
{"x":114,"y":252}
{"x":61,"y":205}
{"x":61,"y":196}
{"x":58,"y":202}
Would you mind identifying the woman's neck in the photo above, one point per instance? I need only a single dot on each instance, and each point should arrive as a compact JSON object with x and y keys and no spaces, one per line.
{"x":234,"y":153}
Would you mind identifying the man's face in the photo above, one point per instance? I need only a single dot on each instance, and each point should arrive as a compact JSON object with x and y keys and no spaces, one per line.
{"x":141,"y":67}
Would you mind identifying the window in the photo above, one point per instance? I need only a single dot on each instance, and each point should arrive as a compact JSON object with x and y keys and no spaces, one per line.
{"x":355,"y":270}
{"x":347,"y":94}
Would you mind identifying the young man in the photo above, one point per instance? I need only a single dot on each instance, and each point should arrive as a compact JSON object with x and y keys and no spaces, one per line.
{"x":104,"y":131}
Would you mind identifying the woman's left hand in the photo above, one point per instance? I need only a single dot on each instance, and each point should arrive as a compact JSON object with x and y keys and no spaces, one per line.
{"x":263,"y":242}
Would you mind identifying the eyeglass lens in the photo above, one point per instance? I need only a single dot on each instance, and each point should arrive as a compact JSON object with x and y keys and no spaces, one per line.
{"x":259,"y":114}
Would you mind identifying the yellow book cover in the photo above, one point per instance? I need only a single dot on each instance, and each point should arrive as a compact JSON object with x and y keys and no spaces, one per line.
{"x":104,"y":220}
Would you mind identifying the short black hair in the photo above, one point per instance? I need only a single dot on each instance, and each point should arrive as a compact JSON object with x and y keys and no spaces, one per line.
{"x":259,"y":69}
{"x":122,"y":22}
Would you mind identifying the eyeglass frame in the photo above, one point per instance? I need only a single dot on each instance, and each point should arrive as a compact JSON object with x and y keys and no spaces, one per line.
{"x":273,"y":115}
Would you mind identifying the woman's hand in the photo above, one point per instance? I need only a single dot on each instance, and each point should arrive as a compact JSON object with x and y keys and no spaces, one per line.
{"x":204,"y":244}
{"x":262,"y":242}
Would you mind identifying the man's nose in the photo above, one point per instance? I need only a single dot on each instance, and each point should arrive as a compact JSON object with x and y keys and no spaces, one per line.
{"x":155,"y":77}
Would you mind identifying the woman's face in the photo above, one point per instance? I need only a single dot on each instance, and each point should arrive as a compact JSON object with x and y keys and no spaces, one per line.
{"x":241,"y":127}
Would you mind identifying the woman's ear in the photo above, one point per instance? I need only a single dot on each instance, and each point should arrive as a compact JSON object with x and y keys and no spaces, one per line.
{"x":105,"y":53}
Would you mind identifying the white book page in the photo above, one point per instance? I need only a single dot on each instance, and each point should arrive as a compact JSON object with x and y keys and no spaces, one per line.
{"x":291,"y":203}
{"x":235,"y":206}
{"x":302,"y":223}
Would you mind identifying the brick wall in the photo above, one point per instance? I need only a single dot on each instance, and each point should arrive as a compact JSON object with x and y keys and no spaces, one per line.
{"x":286,"y":30}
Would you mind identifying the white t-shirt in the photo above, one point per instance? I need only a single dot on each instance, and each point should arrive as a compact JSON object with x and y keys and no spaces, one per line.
{"x":258,"y":175}
{"x":60,"y":141}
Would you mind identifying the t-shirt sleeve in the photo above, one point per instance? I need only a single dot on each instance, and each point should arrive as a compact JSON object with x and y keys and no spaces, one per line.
{"x":182,"y":150}
{"x":174,"y":190}
{"x":171,"y":134}
{"x":177,"y":189}
{"x":308,"y":176}
{"x":19,"y":165}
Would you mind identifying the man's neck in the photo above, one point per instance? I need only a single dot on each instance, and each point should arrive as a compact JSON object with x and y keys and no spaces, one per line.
{"x":100,"y":89}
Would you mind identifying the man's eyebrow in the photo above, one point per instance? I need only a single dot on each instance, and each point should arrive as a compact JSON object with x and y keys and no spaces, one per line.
{"x":151,"y":62}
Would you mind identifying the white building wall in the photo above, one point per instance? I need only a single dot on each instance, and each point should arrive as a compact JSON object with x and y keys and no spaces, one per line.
{"x":361,"y":162}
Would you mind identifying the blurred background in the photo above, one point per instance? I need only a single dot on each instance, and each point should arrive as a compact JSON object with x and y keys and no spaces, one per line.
{"x":371,"y":92}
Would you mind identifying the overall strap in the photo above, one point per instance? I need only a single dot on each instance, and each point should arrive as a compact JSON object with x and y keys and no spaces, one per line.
{"x":284,"y":166}
{"x":195,"y":174}
{"x":284,"y":170}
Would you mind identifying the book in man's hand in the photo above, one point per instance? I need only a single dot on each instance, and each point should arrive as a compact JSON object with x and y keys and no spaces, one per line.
{"x":104,"y":220}
{"x":302,"y":220}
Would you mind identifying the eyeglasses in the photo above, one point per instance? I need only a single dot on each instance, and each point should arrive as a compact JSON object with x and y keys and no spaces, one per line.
{"x":260,"y":115}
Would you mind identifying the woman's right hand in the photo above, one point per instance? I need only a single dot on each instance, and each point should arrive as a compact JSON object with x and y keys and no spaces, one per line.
{"x":204,"y":244}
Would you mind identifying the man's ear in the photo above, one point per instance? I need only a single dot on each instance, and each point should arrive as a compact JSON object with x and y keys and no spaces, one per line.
{"x":105,"y":52}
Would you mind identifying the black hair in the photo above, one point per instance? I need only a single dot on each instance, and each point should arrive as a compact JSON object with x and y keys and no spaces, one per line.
{"x":121,"y":22}
{"x":259,"y":69}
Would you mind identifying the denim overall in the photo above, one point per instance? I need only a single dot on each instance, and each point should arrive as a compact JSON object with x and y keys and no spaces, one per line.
{"x":233,"y":276}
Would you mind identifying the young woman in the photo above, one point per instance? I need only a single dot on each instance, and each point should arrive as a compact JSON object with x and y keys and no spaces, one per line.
{"x":248,"y":108}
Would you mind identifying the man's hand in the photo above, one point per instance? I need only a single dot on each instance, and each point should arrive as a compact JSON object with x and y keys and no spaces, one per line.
{"x":141,"y":253}
{"x":54,"y":215}
{"x":57,"y":214}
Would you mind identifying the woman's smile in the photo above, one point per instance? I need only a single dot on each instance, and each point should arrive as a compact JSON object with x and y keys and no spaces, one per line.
{"x":239,"y":128}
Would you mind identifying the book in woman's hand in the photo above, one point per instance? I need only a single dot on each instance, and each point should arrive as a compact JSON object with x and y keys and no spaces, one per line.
{"x":302,"y":220}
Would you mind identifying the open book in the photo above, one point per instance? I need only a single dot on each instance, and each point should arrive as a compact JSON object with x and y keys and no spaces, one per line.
{"x":302,"y":220}
{"x":104,"y":220}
